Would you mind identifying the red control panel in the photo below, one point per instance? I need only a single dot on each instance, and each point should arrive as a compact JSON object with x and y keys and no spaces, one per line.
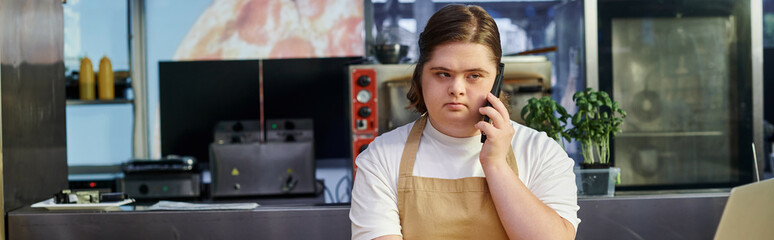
{"x":364,"y":107}
{"x":364,"y":110}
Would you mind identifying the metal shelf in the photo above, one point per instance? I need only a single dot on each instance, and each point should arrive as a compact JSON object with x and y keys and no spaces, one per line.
{"x":670,"y":134}
{"x":98,"y":102}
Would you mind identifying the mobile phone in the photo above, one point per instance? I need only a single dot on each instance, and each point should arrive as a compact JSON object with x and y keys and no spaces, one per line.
{"x":498,"y":85}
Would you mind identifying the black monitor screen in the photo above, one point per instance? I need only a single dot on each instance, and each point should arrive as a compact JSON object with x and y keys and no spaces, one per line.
{"x":194,"y":96}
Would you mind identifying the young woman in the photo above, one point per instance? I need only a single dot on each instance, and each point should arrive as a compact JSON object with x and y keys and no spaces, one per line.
{"x":434,"y":179}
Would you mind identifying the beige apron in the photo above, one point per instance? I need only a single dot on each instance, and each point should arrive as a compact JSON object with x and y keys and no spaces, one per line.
{"x":434,"y":208}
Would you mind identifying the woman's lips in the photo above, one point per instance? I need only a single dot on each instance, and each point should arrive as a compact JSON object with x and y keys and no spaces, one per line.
{"x":455,"y":106}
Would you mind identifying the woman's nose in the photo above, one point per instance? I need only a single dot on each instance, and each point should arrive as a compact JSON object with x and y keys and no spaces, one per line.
{"x":457,"y":87}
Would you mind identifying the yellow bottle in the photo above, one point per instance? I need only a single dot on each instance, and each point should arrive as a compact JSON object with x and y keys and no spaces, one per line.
{"x":106,"y":82}
{"x":86,"y":80}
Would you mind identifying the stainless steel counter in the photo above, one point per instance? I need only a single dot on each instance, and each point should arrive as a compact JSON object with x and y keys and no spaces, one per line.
{"x":665,"y":216}
{"x":300,"y":222}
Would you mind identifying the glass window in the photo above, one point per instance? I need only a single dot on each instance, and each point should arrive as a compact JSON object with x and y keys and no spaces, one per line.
{"x":97,"y":134}
{"x":96,"y":28}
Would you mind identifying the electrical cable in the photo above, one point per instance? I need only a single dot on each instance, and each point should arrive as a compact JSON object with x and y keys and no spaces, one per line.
{"x":338,"y":186}
{"x":349,"y":193}
{"x":328,"y":191}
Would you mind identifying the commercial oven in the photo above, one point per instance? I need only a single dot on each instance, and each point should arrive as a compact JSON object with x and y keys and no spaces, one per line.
{"x":686,"y":72}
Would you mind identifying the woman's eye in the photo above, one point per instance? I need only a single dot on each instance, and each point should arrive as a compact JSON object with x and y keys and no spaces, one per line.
{"x":443,"y":74}
{"x":475,"y":76}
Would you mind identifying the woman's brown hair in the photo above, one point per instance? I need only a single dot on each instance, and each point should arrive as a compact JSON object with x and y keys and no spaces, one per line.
{"x":452,"y":23}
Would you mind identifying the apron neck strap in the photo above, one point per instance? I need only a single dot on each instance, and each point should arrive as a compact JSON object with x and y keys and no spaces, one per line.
{"x":411,"y":147}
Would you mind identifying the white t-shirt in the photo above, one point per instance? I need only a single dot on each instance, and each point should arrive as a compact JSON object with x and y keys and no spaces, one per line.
{"x":543,"y":165}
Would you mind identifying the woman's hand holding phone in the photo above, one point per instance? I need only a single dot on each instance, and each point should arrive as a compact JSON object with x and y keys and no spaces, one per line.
{"x":499,"y":132}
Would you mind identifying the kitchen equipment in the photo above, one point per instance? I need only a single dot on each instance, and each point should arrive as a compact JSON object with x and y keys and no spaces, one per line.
{"x":255,"y":169}
{"x":396,"y":96}
{"x":102,"y":182}
{"x":378,"y":100}
{"x":284,"y":164}
{"x":68,"y":196}
{"x":646,"y":161}
{"x":162,"y":185}
{"x":684,"y":71}
{"x":170,"y":177}
{"x":393,"y":41}
{"x":368,"y":116}
{"x":647,"y":103}
{"x":243,"y":131}
{"x":289,"y":130}
{"x":390,"y":53}
{"x":525,"y":77}
{"x":171,"y":163}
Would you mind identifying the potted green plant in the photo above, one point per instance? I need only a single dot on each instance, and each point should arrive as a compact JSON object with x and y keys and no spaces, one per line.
{"x":597,"y":120}
{"x":547,"y":116}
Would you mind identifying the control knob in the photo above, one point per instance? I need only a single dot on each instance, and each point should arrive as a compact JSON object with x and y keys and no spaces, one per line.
{"x":363,"y":81}
{"x":364,"y":112}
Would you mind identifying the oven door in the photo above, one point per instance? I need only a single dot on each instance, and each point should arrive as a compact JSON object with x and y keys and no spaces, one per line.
{"x":518,"y":93}
{"x":682,"y":70}
{"x":396,"y":105}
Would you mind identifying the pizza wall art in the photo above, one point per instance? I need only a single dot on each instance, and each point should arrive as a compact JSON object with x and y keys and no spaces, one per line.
{"x":271,"y":29}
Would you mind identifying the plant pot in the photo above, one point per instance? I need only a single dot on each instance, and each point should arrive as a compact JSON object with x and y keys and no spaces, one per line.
{"x":596,"y":182}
